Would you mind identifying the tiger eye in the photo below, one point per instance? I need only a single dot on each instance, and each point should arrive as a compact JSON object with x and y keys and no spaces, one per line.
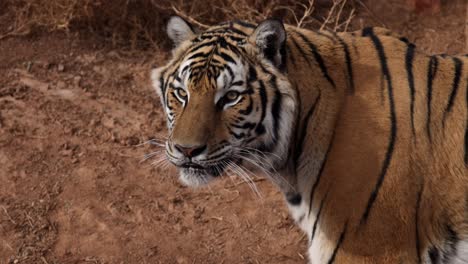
{"x":181,"y":92}
{"x":232,"y":95}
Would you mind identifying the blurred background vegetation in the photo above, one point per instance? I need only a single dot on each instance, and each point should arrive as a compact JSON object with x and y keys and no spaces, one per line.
{"x":140,"y":23}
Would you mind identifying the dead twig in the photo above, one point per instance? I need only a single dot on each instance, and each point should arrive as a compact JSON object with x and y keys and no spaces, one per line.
{"x":188,"y":18}
{"x":309,"y":9}
{"x":371,"y":13}
{"x":244,"y":182}
{"x":8,"y":215}
{"x":44,"y":260}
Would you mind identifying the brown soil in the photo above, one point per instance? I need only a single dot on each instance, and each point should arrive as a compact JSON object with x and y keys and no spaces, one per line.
{"x":73,"y":188}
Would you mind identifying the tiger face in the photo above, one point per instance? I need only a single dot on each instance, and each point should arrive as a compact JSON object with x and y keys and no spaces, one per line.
{"x":226,"y":99}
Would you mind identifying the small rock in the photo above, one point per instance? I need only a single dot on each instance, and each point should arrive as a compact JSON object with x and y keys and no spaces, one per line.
{"x":132,"y":141}
{"x":114,"y":137}
{"x":91,"y":95}
{"x":29,"y":66}
{"x":61,"y":85}
{"x":93,"y":122}
{"x":61,"y":67}
{"x":77,"y":81}
{"x":66,"y":152}
{"x":181,"y":260}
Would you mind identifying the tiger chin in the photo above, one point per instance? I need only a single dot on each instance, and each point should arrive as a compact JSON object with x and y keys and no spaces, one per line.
{"x":365,"y":135}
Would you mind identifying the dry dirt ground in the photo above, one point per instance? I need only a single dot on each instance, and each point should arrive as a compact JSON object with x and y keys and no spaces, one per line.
{"x":73,"y":188}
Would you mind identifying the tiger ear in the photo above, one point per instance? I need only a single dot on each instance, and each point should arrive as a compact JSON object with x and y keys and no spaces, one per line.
{"x":179,"y":30}
{"x":270,"y":38}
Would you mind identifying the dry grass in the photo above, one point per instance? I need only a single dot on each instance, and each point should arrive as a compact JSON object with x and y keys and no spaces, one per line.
{"x":140,"y":23}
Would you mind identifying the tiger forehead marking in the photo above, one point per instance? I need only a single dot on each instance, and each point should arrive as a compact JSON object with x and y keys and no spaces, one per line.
{"x":212,"y":62}
{"x":364,"y":134}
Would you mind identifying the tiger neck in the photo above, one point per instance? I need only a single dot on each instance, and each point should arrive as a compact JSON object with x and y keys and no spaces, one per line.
{"x":319,"y":103}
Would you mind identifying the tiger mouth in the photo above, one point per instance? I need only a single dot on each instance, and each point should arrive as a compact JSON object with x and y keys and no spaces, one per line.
{"x":191,"y":165}
{"x":213,"y":170}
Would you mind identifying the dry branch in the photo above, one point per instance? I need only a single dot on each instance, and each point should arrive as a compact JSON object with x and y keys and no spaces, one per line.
{"x":141,"y":23}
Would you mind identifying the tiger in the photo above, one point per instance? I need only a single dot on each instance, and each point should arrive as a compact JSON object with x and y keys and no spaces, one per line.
{"x":365,"y":135}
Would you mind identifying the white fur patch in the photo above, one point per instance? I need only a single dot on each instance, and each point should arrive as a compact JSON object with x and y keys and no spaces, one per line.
{"x":462,"y":253}
{"x":320,"y":249}
{"x":155,"y":76}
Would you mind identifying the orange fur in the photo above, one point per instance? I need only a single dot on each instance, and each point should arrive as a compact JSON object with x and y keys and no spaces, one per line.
{"x":381,"y":178}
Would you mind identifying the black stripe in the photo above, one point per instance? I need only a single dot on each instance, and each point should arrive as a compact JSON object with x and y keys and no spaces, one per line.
{"x":249,"y":108}
{"x":405,"y":40}
{"x":317,"y":218}
{"x":263,"y":99}
{"x":186,"y":67}
{"x":205,"y":36}
{"x":246,"y":125}
{"x":298,"y":133}
{"x":227,"y":57}
{"x":409,"y":70}
{"x":162,"y":86}
{"x":455,"y":84}
{"x":338,"y":245}
{"x":252,"y":76}
{"x":319,"y":176}
{"x":276,"y":106}
{"x":220,"y":145}
{"x":168,"y":105}
{"x":451,"y":241}
{"x":276,"y":113}
{"x":299,"y":48}
{"x":466,"y":143}
{"x":237,"y":136}
{"x":466,"y":126}
{"x":431,"y":73}
{"x":284,"y":58}
{"x":230,"y":71}
{"x":204,"y":44}
{"x":434,"y":255}
{"x":302,"y":134}
{"x":294,"y":199}
{"x":367,"y":32}
{"x":221,"y":41}
{"x":325,"y":35}
{"x":244,"y":24}
{"x":290,"y":55}
{"x":393,"y":129}
{"x":234,"y":38}
{"x":237,"y":83}
{"x":416,"y":223}
{"x":348,"y":63}
{"x":198,"y":55}
{"x":317,"y":57}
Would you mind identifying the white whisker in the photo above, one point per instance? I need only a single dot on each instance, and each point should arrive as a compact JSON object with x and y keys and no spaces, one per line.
{"x":241,"y":172}
{"x":150,"y":155}
{"x":259,"y":160}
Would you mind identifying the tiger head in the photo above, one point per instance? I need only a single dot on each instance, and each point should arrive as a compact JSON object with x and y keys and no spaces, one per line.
{"x":226,"y":97}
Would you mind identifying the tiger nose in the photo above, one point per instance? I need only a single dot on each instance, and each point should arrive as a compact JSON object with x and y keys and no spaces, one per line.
{"x":191,"y":151}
